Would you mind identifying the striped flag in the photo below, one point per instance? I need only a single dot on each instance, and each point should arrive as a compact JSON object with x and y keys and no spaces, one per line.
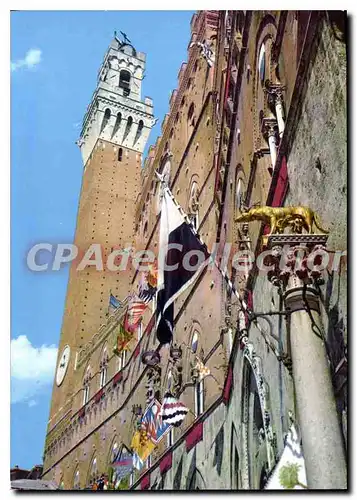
{"x":134,"y":314}
{"x":173,"y":412}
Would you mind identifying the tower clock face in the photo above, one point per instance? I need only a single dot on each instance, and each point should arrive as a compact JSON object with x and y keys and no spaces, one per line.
{"x":63,"y":365}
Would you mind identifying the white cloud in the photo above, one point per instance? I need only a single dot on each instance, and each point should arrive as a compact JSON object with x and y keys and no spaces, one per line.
{"x":32,"y":369}
{"x":32,"y":403}
{"x":32,"y":58}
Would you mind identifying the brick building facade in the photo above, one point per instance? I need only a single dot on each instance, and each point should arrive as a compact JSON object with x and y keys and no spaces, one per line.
{"x":259,"y":118}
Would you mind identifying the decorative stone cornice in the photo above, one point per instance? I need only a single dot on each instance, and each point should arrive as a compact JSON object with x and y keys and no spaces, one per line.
{"x":308,"y":240}
{"x":293,"y":257}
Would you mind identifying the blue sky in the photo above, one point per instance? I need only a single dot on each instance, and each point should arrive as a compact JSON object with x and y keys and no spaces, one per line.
{"x":55,"y":57}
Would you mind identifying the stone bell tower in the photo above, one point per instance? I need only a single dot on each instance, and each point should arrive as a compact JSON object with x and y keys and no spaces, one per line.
{"x":115,"y":129}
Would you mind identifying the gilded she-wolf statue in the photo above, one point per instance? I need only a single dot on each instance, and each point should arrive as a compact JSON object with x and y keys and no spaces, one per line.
{"x":278,"y":218}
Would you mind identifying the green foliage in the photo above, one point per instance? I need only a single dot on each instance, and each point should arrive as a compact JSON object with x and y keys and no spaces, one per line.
{"x":289,"y":476}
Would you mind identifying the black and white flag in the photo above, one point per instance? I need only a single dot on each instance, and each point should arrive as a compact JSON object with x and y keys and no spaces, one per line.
{"x":173,"y":412}
{"x":182,"y":256}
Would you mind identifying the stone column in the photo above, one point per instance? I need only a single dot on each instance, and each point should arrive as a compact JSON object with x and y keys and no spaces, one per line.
{"x":279,"y":109}
{"x":275,"y":99}
{"x":272,"y":146}
{"x":269,"y":128}
{"x":322,"y":440}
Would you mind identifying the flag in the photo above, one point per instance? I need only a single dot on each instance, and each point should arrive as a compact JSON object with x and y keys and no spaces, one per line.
{"x":114,"y":304}
{"x":206,"y":52}
{"x":148,"y":284}
{"x":142,"y":446}
{"x":172,"y":282}
{"x":173,"y":412}
{"x":122,"y":464}
{"x":123,"y":339}
{"x":202,"y":369}
{"x":134,"y":314}
{"x":137,"y":462}
{"x":153,"y":424}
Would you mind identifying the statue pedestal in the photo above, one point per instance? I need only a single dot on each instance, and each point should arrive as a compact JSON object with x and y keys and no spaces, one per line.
{"x":316,"y":406}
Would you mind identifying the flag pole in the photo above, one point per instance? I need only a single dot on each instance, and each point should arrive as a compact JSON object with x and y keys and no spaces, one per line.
{"x":244,"y":305}
{"x":110,"y":294}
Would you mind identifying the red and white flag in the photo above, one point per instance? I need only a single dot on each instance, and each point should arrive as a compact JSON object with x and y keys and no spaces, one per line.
{"x":134,"y":314}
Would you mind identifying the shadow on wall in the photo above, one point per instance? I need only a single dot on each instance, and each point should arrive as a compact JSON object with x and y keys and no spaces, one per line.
{"x":336,"y":326}
{"x":178,"y":476}
{"x":218,"y":452}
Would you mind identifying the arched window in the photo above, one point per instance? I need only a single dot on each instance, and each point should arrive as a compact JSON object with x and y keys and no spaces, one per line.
{"x":239,"y":195}
{"x":140,"y":130}
{"x":196,"y":482}
{"x":86,"y":385}
{"x":114,"y":452}
{"x":103,"y":368}
{"x":121,"y":360}
{"x":117,"y":124}
{"x":76,"y":478}
{"x":120,"y":154}
{"x":169,"y":380}
{"x":191,"y":110}
{"x":128,"y":127}
{"x":93,"y":471}
{"x":235,"y":473}
{"x":124,"y":82}
{"x":140,"y":330}
{"x":235,"y":469}
{"x":170,"y":438}
{"x":190,"y":119}
{"x":106,"y":119}
{"x":253,"y":429}
{"x":199,"y":398}
{"x":194,"y":343}
{"x":131,"y":479}
{"x":261,"y":63}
